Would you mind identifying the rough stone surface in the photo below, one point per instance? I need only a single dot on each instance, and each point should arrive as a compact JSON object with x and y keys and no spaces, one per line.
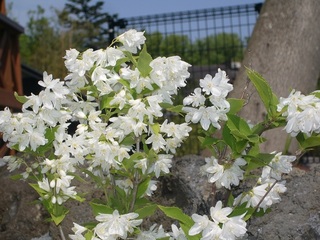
{"x":20,"y":218}
{"x":296,"y":217}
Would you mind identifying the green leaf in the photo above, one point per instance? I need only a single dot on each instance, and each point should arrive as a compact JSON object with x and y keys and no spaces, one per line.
{"x":208,"y":141}
{"x":57,"y":212}
{"x":185,"y":221}
{"x":39,"y":190}
{"x":124,"y":83}
{"x":308,"y":142}
{"x":50,"y":136}
{"x":21,"y":99}
{"x":316,"y":93}
{"x":16,"y":177}
{"x":265,"y":92}
{"x":237,"y":133}
{"x":260,"y":160}
{"x":78,"y":198}
{"x":171,"y":108}
{"x":177,"y":214}
{"x":144,"y":62}
{"x":130,"y":57}
{"x":88,"y":235}
{"x":146,"y":211}
{"x":142,"y":188}
{"x":100,"y":208}
{"x":229,"y":138}
{"x":235,"y":105}
{"x":155,"y":128}
{"x":242,"y":209}
{"x":255,"y":138}
{"x":119,"y":63}
{"x":59,"y":218}
{"x":230,"y":200}
{"x":237,"y":124}
{"x":128,"y":163}
{"x":105,"y":101}
{"x":128,"y":140}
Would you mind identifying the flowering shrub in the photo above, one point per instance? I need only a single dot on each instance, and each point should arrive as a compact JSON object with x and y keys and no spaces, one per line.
{"x":116,"y":98}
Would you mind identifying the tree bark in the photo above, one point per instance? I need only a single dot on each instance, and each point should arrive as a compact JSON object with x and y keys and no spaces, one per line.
{"x":285,"y":49}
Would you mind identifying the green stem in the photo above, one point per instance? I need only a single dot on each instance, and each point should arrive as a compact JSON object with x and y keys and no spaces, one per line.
{"x":134,"y":191}
{"x":287,"y":144}
{"x":136,"y":180}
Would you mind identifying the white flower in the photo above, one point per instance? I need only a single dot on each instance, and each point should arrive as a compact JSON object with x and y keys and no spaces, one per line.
{"x":44,"y":184}
{"x":157,"y":141}
{"x":201,"y":223}
{"x":169,"y":74}
{"x":279,"y":164}
{"x":116,"y":225}
{"x":206,"y":116}
{"x":163,"y":164}
{"x":71,"y":56}
{"x":223,"y":176}
{"x":99,"y":74}
{"x":219,"y":214}
{"x":234,"y":228}
{"x":213,"y":169}
{"x":37,"y":138}
{"x":139,"y":128}
{"x":78,"y":232}
{"x":138,"y":109}
{"x":142,"y":164}
{"x":301,"y":112}
{"x":196,"y":99}
{"x":222,"y":226}
{"x":154,"y":107}
{"x":136,"y":81}
{"x":153,"y":233}
{"x":232,"y":175}
{"x":126,"y":185}
{"x":255,"y":196}
{"x":179,"y":131}
{"x":132,"y":40}
{"x":177,"y":233}
{"x":119,"y":99}
{"x":33,"y":101}
{"x":5,"y":116}
{"x":113,"y":55}
{"x":55,"y":85}
{"x":275,"y":192}
{"x":152,"y":186}
{"x":218,"y":85}
{"x":211,"y":232}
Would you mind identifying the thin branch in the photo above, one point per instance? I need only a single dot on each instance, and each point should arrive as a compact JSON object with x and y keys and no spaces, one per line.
{"x":261,"y":200}
{"x":61,"y":233}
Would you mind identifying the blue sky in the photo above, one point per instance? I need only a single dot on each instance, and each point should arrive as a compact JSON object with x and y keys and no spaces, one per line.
{"x":125,"y":8}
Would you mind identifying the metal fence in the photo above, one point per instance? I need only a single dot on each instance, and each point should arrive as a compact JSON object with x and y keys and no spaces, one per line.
{"x":208,"y":39}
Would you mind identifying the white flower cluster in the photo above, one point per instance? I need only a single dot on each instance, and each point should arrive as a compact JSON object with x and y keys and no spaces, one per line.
{"x":114,"y":226}
{"x":217,"y":88}
{"x":302,"y":113}
{"x":114,"y":99}
{"x":224,"y":175}
{"x":110,"y":226}
{"x":99,"y":81}
{"x":220,"y":226}
{"x":268,"y":189}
